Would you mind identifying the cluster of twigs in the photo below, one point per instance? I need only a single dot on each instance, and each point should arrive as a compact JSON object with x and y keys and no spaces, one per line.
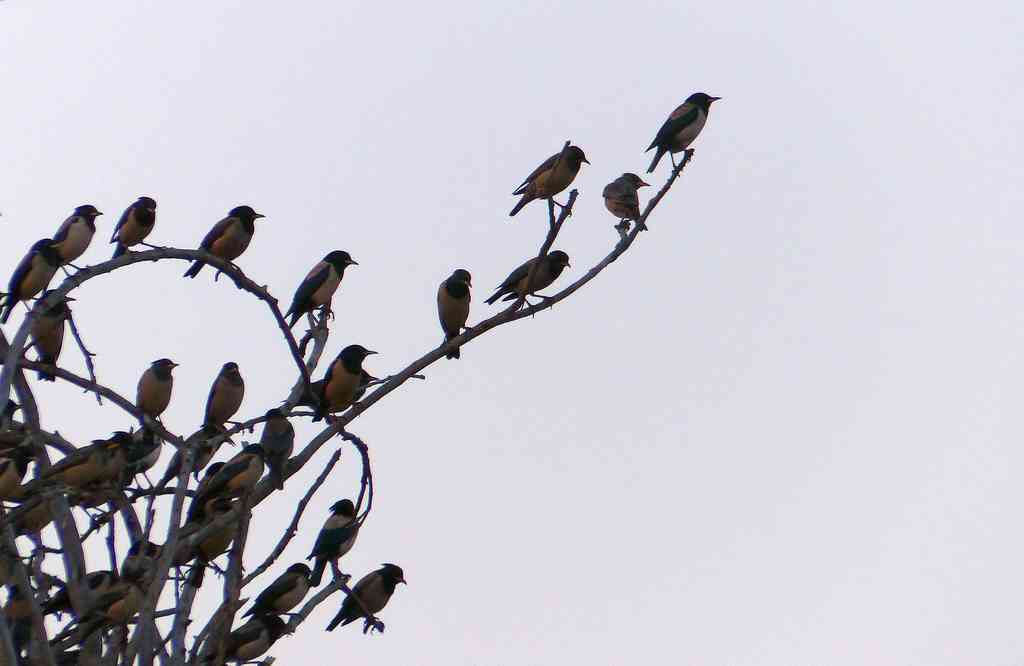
{"x":146,"y":642}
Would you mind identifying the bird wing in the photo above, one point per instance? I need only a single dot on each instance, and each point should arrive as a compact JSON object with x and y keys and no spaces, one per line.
{"x":283,"y":585}
{"x":309,"y":286}
{"x":24,"y":266}
{"x":613,"y":190}
{"x":62,"y":232}
{"x":218,"y":230}
{"x":247,"y":633}
{"x":328,"y":540}
{"x":224,"y":475}
{"x":120,"y":223}
{"x":518,"y":274}
{"x":544,"y":166}
{"x":684,"y":114}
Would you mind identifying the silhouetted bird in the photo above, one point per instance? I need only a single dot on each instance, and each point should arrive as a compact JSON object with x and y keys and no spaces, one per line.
{"x":681,"y":128}
{"x":75,"y":233}
{"x":229,"y":238}
{"x":335,"y":538}
{"x":48,"y":334}
{"x":284,"y":594}
{"x":225,"y":395}
{"x":515,"y":285}
{"x":553,"y":175}
{"x":453,"y":305}
{"x":374,"y":590}
{"x":136,"y":223}
{"x":153,"y":393}
{"x":342,"y":383}
{"x":32,"y":275}
{"x":278,"y":440}
{"x":621,"y":197}
{"x":252,"y":639}
{"x":319,"y":285}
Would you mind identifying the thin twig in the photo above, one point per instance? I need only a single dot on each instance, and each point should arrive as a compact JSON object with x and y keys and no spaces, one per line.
{"x":86,"y":354}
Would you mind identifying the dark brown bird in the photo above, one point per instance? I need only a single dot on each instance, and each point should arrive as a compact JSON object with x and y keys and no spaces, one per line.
{"x":32,"y":516}
{"x":225,"y":395}
{"x":32,"y":275}
{"x":206,"y":441}
{"x":98,"y":582}
{"x":216,"y":542}
{"x":229,"y":238}
{"x":136,"y":223}
{"x":621,"y":198}
{"x":141,"y":559}
{"x":75,"y":233}
{"x":13,"y":465}
{"x":681,"y":128}
{"x":278,"y":441}
{"x":374,"y":590}
{"x":252,"y":639}
{"x":103,"y":460}
{"x":153,"y":393}
{"x":550,"y":267}
{"x":335,"y":538}
{"x":284,"y":594}
{"x":236,"y":478}
{"x":341,"y":385}
{"x":318,"y":288}
{"x":453,"y":299}
{"x":553,"y":175}
{"x":48,"y":334}
{"x":115,"y":607}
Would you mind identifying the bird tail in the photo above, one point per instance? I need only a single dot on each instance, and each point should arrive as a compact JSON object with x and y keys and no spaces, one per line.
{"x":338,"y":619}
{"x":519,"y":206}
{"x":453,"y":353}
{"x":119,"y":250}
{"x":45,"y":376}
{"x":277,"y":475}
{"x":494,"y":299}
{"x":196,"y":575}
{"x":194,"y":269}
{"x":8,"y":308}
{"x":657,"y":158}
{"x":295,"y":318}
{"x":318,"y":572}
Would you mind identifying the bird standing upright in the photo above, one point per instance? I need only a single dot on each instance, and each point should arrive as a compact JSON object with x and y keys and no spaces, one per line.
{"x":278,"y":440}
{"x":229,"y":238}
{"x":621,"y":197}
{"x":547,"y":271}
{"x":225,"y":395}
{"x":335,"y":538}
{"x":32,"y":275}
{"x":374,"y":590}
{"x":319,"y":285}
{"x":153,"y":393}
{"x":48,"y":334}
{"x":453,"y":299}
{"x":284,"y":594}
{"x":553,"y":175}
{"x":136,"y":223}
{"x":75,"y":233}
{"x":340,"y":386}
{"x":681,"y":128}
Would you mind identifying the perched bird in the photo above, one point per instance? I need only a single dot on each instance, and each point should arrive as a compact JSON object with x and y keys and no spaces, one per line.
{"x":203,"y":488}
{"x":13,"y":465}
{"x":553,"y":175}
{"x":374,"y":590}
{"x":237,"y":477}
{"x":7,"y":421}
{"x":98,"y":582}
{"x":103,"y":460}
{"x":621,"y":198}
{"x":453,"y":305}
{"x":681,"y":128}
{"x":335,"y":538}
{"x":251,"y":640}
{"x":32,"y":516}
{"x":319,"y":286}
{"x":140,"y":559}
{"x":48,"y":334}
{"x":143,"y":453}
{"x":278,"y":440}
{"x":206,"y":441}
{"x":284,"y":594}
{"x":550,"y":267}
{"x":135,"y":224}
{"x":225,"y":395}
{"x":212,"y":545}
{"x":341,"y":384}
{"x":153,"y":393}
{"x":75,"y":233}
{"x":117,"y":606}
{"x":229,"y":238}
{"x":32,"y":275}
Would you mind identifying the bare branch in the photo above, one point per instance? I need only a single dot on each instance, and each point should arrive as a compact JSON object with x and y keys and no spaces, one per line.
{"x":86,"y":354}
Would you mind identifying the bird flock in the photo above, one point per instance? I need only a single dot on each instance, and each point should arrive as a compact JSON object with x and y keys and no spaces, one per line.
{"x":95,"y":474}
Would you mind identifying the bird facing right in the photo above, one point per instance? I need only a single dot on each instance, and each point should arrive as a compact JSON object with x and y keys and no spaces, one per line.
{"x":621,"y":197}
{"x":374,"y":590}
{"x":318,"y":287}
{"x":453,"y":299}
{"x":553,"y":175}
{"x":547,"y":271}
{"x":682,"y":127}
{"x":137,"y":221}
{"x":229,"y":238}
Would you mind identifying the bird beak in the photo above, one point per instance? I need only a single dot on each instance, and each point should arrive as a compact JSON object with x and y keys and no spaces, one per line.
{"x":714,"y":99}
{"x":69,"y":299}
{"x":402,"y":581}
{"x":352,"y":262}
{"x":98,"y":213}
{"x":258,"y":216}
{"x":174,"y":365}
{"x":368,"y":352}
{"x":643,"y":184}
{"x":586,"y":161}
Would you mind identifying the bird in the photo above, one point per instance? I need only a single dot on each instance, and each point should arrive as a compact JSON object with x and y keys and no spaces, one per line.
{"x":141,"y":559}
{"x":32,"y":516}
{"x":206,"y":441}
{"x":13,"y":466}
{"x":453,"y":305}
{"x":118,"y":606}
{"x":153,"y":393}
{"x":225,"y":395}
{"x":681,"y":128}
{"x":284,"y":594}
{"x":211,"y":472}
{"x":103,"y":460}
{"x":319,"y":285}
{"x":98,"y":582}
{"x":621,"y":198}
{"x":251,"y":639}
{"x":143,"y":453}
{"x":7,"y":421}
{"x":278,"y":441}
{"x":341,"y":384}
{"x":136,"y":223}
{"x":229,"y":238}
{"x":374,"y":590}
{"x":335,"y":538}
{"x":238,"y":476}
{"x":32,"y":275}
{"x":547,"y":271}
{"x":75,"y":233}
{"x":213,"y":544}
{"x":553,"y":175}
{"x":47,"y":333}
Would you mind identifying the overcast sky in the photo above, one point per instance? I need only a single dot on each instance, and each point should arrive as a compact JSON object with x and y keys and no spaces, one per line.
{"x":782,"y":430}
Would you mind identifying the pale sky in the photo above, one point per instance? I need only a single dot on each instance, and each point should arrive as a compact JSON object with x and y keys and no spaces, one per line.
{"x":781,"y":430}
